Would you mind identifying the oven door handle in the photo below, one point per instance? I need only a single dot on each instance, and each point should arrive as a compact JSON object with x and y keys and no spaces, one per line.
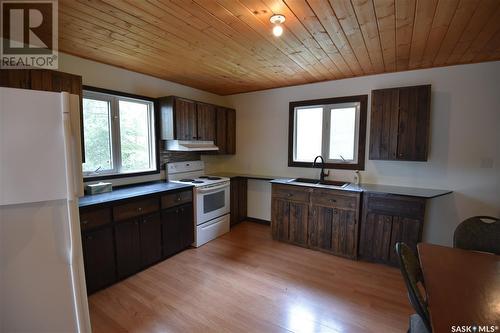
{"x":212,"y":189}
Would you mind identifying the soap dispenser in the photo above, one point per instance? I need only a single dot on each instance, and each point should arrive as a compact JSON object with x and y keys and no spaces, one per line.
{"x":357,"y":177}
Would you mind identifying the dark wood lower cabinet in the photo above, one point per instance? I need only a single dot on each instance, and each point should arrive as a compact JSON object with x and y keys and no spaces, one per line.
{"x":150,"y":233}
{"x":128,"y":247}
{"x":120,"y":239}
{"x":99,"y":257}
{"x":333,"y":230}
{"x":388,"y":219}
{"x":325,"y":220}
{"x":239,"y":186}
{"x":177,"y":229}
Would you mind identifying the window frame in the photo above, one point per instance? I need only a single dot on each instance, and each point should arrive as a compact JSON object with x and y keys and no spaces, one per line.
{"x":100,"y":94}
{"x":329,"y":102}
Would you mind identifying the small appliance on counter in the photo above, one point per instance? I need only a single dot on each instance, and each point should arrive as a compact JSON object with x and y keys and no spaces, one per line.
{"x":211,"y":199}
{"x":98,"y":188}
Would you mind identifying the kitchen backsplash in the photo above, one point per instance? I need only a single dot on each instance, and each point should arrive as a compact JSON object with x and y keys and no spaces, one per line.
{"x":175,"y":156}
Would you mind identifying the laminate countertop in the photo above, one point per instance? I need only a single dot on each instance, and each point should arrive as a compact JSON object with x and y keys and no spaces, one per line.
{"x":425,"y":193}
{"x":131,"y":191}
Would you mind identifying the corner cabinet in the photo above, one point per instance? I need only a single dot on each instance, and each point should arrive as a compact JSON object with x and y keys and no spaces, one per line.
{"x":185,"y":119}
{"x":122,"y":238}
{"x":388,"y":219}
{"x":399,"y":127}
{"x":317,"y":218}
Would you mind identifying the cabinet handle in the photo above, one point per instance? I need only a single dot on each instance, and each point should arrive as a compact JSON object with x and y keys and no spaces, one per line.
{"x":333,"y":200}
{"x":289,"y":195}
{"x":136,"y":222}
{"x":139,"y":209}
{"x":194,"y":137}
{"x":85,"y":222}
{"x":90,"y":238}
{"x":335,"y":211}
{"x":178,"y":198}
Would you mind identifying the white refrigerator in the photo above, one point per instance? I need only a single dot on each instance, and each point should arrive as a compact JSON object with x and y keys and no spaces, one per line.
{"x":42,"y":280}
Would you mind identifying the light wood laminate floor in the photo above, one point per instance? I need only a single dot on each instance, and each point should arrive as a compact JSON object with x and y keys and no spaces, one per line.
{"x":246,"y":282}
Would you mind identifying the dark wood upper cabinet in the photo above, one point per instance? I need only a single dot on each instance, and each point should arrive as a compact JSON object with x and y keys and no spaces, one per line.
{"x":399,"y":128}
{"x":183,"y":119}
{"x":231,"y":131}
{"x":186,"y":121}
{"x":206,"y":120}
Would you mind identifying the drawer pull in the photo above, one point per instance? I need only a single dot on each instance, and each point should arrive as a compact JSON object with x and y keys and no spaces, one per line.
{"x":333,"y":200}
{"x":289,"y":195}
{"x":178,"y":198}
{"x":139,"y":209}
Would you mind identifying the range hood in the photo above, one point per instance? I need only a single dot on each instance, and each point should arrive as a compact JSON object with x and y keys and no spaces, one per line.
{"x":180,"y":145}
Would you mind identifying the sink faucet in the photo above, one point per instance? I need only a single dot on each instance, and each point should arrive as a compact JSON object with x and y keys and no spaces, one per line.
{"x":322,"y":175}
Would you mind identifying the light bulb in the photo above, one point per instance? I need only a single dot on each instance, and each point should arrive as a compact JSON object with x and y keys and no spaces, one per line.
{"x":277,"y":30}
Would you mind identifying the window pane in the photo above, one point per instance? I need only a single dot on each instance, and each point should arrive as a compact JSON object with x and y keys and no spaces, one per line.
{"x":309,"y":131}
{"x":134,"y":136}
{"x":97,"y":135}
{"x":342,"y":133}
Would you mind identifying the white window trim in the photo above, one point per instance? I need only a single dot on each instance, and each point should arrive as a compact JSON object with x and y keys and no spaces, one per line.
{"x":115,"y":134}
{"x":325,"y":144}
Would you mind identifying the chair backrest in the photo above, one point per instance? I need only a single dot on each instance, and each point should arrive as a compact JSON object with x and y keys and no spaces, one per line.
{"x":478,"y":233}
{"x":412,"y":275}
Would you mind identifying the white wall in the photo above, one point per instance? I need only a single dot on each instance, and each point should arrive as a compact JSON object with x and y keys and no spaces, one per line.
{"x":464,"y":141}
{"x":108,"y":77}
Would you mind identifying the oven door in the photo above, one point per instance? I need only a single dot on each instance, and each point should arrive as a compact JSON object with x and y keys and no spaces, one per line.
{"x":212,"y":202}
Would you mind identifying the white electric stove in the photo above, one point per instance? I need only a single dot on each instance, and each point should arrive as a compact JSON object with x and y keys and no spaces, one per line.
{"x":211,"y":199}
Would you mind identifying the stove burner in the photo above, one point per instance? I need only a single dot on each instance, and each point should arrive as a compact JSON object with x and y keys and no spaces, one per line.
{"x":186,"y":180}
{"x":197,"y":182}
{"x":210,"y":177}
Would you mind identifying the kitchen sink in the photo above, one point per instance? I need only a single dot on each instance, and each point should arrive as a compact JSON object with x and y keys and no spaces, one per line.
{"x":319,"y":182}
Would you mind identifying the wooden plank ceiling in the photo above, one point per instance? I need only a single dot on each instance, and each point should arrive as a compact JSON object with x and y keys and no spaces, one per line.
{"x":226,"y":46}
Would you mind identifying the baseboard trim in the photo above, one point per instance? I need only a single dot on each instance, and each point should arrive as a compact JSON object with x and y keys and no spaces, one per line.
{"x":256,"y":220}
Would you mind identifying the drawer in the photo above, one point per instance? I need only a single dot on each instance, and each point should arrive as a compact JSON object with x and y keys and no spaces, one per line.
{"x":136,"y":208}
{"x":290,"y":192}
{"x":396,"y":205}
{"x":332,"y":198}
{"x":175,"y":199}
{"x":95,"y":218}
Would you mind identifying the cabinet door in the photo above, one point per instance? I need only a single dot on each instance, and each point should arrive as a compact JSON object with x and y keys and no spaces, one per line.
{"x":221,"y":130}
{"x":384,"y":124}
{"x":238,"y":204}
{"x":171,"y":231}
{"x":150,"y":231}
{"x":231,"y":131}
{"x":206,"y":122}
{"x":414,"y":112}
{"x":186,"y":228}
{"x":185,"y":119}
{"x":280,"y":219}
{"x":375,"y":237}
{"x":333,"y":230}
{"x":99,"y":257}
{"x":128,"y":249}
{"x":405,"y":230}
{"x":299,"y":214}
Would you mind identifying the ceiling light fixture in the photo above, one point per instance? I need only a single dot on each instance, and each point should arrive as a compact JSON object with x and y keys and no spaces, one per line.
{"x":277,"y":20}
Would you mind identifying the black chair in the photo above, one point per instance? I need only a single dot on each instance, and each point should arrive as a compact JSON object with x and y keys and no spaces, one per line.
{"x":412,"y":275}
{"x":478,"y":233}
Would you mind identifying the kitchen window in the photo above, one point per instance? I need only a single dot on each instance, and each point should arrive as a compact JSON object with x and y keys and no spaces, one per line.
{"x":334,"y":128}
{"x":119,"y":135}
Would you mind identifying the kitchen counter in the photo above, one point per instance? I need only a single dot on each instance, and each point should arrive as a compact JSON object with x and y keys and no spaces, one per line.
{"x":245,"y":175}
{"x":130,"y":191}
{"x":375,"y":188}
